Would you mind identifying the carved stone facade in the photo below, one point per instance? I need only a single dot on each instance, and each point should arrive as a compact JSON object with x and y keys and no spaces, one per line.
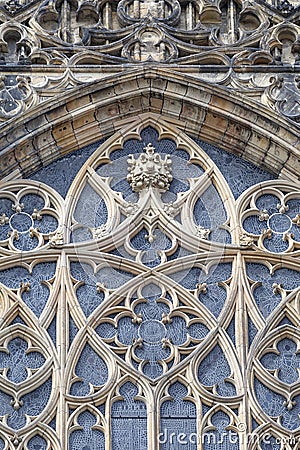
{"x":149,"y":225}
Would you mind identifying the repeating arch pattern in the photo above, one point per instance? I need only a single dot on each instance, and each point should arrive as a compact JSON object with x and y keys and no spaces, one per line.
{"x":131,"y":308}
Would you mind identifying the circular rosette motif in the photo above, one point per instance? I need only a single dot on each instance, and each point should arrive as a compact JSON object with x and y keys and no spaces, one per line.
{"x":272,"y":218}
{"x":151,"y":332}
{"x":29,"y":217}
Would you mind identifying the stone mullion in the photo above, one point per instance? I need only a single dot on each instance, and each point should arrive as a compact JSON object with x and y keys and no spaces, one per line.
{"x":154,"y":421}
{"x":62,"y":343}
{"x":241,"y":347}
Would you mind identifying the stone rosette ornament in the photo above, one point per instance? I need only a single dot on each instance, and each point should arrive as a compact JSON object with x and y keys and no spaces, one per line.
{"x":149,"y":170}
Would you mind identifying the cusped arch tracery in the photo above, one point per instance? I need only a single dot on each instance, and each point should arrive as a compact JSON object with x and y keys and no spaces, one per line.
{"x":152,"y":291}
{"x":29,"y":370}
{"x":194,"y":184}
{"x":273,"y":368}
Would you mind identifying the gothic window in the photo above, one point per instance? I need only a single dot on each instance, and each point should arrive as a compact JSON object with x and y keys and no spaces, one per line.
{"x":149,"y":299}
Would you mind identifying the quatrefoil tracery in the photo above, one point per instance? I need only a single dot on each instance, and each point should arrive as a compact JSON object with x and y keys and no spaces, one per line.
{"x":272,"y":218}
{"x":152,"y":332}
{"x":29,"y":217}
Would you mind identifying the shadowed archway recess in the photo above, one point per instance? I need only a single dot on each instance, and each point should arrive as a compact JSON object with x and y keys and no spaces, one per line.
{"x":86,"y":114}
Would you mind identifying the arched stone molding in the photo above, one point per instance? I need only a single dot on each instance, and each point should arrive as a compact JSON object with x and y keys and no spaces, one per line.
{"x":97,"y":110}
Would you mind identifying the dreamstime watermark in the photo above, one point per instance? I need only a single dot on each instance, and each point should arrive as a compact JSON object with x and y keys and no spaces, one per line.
{"x":167,"y":436}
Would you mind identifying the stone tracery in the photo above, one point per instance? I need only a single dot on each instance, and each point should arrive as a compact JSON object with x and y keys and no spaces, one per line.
{"x":147,"y":296}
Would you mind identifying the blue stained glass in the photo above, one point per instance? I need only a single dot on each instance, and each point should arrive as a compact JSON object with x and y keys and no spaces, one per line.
{"x":2,"y":444}
{"x":215,"y":295}
{"x":17,"y":319}
{"x":253,"y":225}
{"x":81,"y":234}
{"x":87,"y":438}
{"x":254,"y":424}
{"x":231,"y":330}
{"x":239,"y":173}
{"x":289,"y":278}
{"x":266,"y":299}
{"x":129,"y":420}
{"x":124,"y":187}
{"x":52,"y":330}
{"x":127,"y":331}
{"x":177,"y":330}
{"x":268,"y":202}
{"x":37,"y":443}
{"x":177,"y":186}
{"x":178,"y":427}
{"x":120,"y":251}
{"x":112,"y":278}
{"x":89,"y":298}
{"x":209,"y":212}
{"x":151,"y":250}
{"x":293,"y":207}
{"x":73,"y":330}
{"x":151,"y":331}
{"x":60,"y":173}
{"x":31,"y":202}
{"x":275,"y":405}
{"x":213,"y":371}
{"x":270,"y":443}
{"x":83,"y":272}
{"x":160,"y":242}
{"x":179,"y":253}
{"x":92,"y":369}
{"x":4,"y":231}
{"x":87,"y":294}
{"x":106,"y":330}
{"x":197,"y":331}
{"x":25,"y":242}
{"x":37,"y":295}
{"x":152,"y":292}
{"x":52,"y":423}
{"x":295,"y":230}
{"x":31,"y":404}
{"x":91,"y":210}
{"x":285,"y":321}
{"x":280,"y":223}
{"x":252,"y":331}
{"x":17,"y":360}
{"x":276,"y":243}
{"x":293,"y":211}
{"x":221,"y":437}
{"x":287,"y":362}
{"x":6,"y":207}
{"x":47,"y":225}
{"x":21,"y":222}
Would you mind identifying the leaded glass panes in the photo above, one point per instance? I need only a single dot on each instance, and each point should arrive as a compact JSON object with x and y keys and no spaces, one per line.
{"x":129,"y":420}
{"x":178,"y":418}
{"x":155,"y":302}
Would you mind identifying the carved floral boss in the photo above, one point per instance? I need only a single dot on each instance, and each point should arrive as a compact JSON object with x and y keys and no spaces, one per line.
{"x":149,"y":170}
